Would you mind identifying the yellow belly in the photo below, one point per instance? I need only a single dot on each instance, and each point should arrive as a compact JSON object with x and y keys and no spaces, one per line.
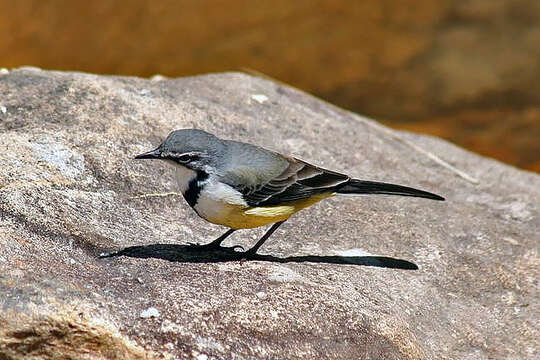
{"x":241,"y":217}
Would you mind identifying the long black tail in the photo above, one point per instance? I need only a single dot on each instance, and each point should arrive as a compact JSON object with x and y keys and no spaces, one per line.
{"x":355,"y":186}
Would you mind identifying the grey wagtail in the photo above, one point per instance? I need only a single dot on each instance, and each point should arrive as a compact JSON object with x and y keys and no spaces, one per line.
{"x":243,"y":186}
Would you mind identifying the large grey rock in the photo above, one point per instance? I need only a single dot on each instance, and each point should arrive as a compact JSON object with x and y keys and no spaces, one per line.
{"x":70,"y":190}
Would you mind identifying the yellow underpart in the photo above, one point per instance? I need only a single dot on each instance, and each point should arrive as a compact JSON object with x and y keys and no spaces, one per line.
{"x":239,"y":217}
{"x":270,"y":211}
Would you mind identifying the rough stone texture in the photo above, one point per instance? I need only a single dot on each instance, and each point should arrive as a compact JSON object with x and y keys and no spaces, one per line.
{"x":466,"y":70}
{"x":70,"y":190}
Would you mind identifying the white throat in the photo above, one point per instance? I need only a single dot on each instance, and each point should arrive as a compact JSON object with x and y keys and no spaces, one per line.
{"x":183,"y":177}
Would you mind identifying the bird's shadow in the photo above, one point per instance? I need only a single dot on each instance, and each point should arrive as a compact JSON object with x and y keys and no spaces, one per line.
{"x":200,"y":254}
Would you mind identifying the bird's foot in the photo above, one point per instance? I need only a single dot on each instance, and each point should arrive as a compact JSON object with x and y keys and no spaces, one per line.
{"x":248,"y":254}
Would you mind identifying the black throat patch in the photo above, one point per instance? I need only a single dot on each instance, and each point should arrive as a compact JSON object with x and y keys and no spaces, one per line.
{"x":195,"y":187}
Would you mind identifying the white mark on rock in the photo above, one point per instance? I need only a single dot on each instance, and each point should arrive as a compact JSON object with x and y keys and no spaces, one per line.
{"x":30,"y":68}
{"x":295,"y":144}
{"x":284,"y":274}
{"x":510,"y":209}
{"x":67,"y":161}
{"x":4,"y":71}
{"x":209,"y":343}
{"x":516,"y":210}
{"x":260,"y":98}
{"x":261,"y":295}
{"x":352,"y":252}
{"x":144,"y":92}
{"x":3,"y":109}
{"x":202,"y":357}
{"x":158,"y":77}
{"x":170,"y":327}
{"x":186,"y":229}
{"x":150,"y":312}
{"x":511,"y":240}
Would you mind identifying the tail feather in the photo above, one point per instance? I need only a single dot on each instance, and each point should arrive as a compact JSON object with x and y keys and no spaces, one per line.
{"x":355,"y":186}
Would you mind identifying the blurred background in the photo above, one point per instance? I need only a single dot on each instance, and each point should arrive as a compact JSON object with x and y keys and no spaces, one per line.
{"x":467,"y":71}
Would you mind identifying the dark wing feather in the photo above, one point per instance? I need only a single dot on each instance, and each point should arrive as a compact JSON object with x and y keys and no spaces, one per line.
{"x":300,"y":180}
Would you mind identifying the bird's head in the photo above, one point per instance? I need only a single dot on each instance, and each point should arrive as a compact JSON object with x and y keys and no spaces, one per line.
{"x":194,"y":149}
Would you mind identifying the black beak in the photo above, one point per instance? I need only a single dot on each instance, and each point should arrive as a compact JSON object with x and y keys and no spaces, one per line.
{"x":152,"y":154}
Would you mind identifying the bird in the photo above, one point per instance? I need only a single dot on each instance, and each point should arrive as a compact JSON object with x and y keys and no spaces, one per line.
{"x":241,"y":186}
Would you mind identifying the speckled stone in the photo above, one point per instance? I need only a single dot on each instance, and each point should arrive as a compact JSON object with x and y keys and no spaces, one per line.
{"x":70,"y":190}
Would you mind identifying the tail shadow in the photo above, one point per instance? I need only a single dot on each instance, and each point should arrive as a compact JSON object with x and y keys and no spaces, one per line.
{"x":194,"y":254}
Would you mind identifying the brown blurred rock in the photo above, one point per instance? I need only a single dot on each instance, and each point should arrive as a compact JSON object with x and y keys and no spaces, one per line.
{"x":421,"y":62}
{"x":69,"y":190}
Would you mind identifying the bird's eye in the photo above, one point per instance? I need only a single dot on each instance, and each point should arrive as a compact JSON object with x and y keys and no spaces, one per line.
{"x":185,"y":158}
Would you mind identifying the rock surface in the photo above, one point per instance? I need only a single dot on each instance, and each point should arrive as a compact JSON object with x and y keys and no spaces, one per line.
{"x":70,"y":190}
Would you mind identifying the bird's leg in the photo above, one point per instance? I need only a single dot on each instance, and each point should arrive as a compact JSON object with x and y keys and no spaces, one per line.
{"x":261,"y":241}
{"x":216,"y":244}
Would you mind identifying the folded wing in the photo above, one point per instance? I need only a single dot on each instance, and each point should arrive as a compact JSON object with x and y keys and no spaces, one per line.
{"x":298,"y":181}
